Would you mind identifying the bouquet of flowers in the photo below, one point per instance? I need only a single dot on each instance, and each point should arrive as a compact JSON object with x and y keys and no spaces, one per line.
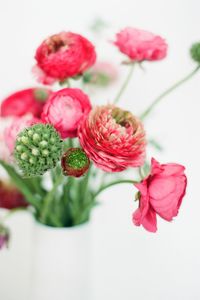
{"x":63,"y":151}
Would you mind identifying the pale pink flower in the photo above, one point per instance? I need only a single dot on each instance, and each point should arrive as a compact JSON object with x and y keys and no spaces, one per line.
{"x":101,"y":74}
{"x":161,"y":193}
{"x":4,"y":151}
{"x":16,"y":127}
{"x":113,"y":139}
{"x":140,"y":45}
{"x":65,"y":110}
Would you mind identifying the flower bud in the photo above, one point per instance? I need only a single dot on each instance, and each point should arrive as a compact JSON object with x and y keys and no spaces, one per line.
{"x":75,"y":162}
{"x":195,"y":52}
{"x":4,"y":236}
{"x":34,"y":152}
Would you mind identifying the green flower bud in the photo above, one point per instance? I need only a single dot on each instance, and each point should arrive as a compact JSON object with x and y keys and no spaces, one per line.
{"x":41,"y":94}
{"x":43,"y":143}
{"x":33,"y":153}
{"x":30,"y":133}
{"x":24,"y":140}
{"x":195,"y":52}
{"x":36,"y":137}
{"x":24,"y":156}
{"x":75,"y":162}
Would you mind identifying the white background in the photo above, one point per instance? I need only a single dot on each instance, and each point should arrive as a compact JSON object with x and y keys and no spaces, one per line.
{"x":129,"y":263}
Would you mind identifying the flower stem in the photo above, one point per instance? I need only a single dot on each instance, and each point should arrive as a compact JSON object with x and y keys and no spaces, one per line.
{"x":168,"y":91}
{"x":49,"y":197}
{"x":111,"y":184}
{"x":125,"y":84}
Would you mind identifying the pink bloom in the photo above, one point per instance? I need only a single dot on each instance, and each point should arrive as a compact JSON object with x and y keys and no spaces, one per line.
{"x":101,"y":74}
{"x":16,"y":127}
{"x":140,"y":45}
{"x":113,"y":139}
{"x":4,"y":151}
{"x":160,"y":193}
{"x":65,"y":109}
{"x":41,"y":77}
{"x":25,"y":101}
{"x":65,"y":55}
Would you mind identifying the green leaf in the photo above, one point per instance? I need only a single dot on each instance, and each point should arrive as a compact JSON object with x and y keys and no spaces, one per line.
{"x":21,"y":184}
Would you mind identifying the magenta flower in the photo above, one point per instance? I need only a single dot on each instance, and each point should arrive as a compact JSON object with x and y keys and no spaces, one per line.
{"x":140,"y":45}
{"x":65,"y":110}
{"x":65,"y":55}
{"x":25,"y":101}
{"x":161,"y":193}
{"x":113,"y":139}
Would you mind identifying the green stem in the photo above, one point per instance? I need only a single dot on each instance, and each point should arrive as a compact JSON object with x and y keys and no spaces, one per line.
{"x":125,"y":84}
{"x":70,"y":143}
{"x":168,"y":91}
{"x":49,"y":197}
{"x":85,"y":184}
{"x":111,"y":184}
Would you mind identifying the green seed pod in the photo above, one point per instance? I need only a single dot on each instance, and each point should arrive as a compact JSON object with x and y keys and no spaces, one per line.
{"x":33,"y":151}
{"x":195,"y":52}
{"x":75,"y":162}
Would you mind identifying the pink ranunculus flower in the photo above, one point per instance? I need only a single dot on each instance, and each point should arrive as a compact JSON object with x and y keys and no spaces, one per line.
{"x":161,"y":193}
{"x":65,"y":55}
{"x":16,"y":127}
{"x":25,"y":101}
{"x":4,"y":151}
{"x":65,"y":110}
{"x":140,"y":45}
{"x":113,"y":139}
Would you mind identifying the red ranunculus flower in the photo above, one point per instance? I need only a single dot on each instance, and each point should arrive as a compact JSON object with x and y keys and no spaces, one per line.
{"x":10,"y":196}
{"x":25,"y":101}
{"x":65,"y":55}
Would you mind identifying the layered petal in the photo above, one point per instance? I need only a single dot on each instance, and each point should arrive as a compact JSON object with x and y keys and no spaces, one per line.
{"x":161,"y":193}
{"x":140,"y":45}
{"x":65,"y":110}
{"x":65,"y":55}
{"x":113,"y":139}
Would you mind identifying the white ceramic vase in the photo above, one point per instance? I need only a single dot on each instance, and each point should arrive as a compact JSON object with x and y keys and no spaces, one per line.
{"x":61,"y":263}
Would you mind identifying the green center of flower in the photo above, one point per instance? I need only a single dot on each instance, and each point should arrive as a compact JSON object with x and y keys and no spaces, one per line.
{"x":122,"y":117}
{"x":41,"y":95}
{"x":77,"y":159}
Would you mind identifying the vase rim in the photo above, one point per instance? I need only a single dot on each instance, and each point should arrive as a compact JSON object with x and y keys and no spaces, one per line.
{"x":70,"y":228}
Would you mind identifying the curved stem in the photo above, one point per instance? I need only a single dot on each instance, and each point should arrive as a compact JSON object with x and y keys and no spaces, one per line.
{"x":125,"y":84}
{"x":113,"y":183}
{"x":168,"y":91}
